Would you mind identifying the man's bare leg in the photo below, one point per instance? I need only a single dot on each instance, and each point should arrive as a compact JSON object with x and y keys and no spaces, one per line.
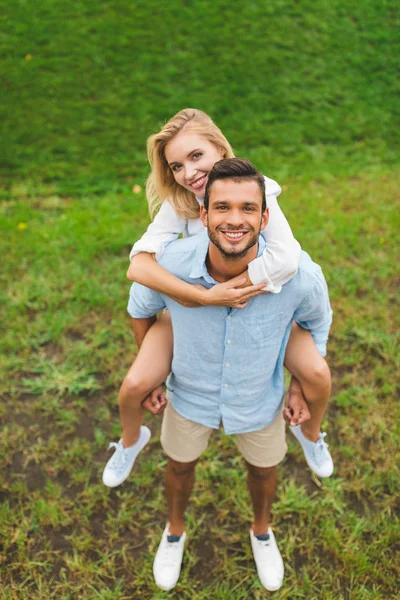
{"x":179,"y":482}
{"x":262,"y":486}
{"x":168,"y":560}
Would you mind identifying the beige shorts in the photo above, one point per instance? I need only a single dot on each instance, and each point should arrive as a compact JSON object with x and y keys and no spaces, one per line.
{"x":184,"y":440}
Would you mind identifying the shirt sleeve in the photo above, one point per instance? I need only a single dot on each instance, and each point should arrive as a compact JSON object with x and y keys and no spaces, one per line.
{"x":315,"y":313}
{"x":165,"y":228}
{"x":144,"y":302}
{"x":280,"y":260}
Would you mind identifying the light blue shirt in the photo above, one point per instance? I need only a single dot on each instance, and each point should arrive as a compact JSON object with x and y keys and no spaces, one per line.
{"x":228,"y":363}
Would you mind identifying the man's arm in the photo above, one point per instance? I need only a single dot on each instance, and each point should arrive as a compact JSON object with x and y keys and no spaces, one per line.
{"x":140,"y":328}
{"x":296,"y":410}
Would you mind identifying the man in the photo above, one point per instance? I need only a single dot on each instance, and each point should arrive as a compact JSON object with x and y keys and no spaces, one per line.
{"x":228,"y":363}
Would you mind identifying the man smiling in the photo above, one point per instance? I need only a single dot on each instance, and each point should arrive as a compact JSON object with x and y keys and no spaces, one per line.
{"x":228,"y":363}
{"x":234,"y":236}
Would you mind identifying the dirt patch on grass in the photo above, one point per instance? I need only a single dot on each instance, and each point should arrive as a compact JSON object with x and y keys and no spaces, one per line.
{"x":33,"y":475}
{"x":83,"y":329}
{"x":52,"y":351}
{"x":85,"y":427}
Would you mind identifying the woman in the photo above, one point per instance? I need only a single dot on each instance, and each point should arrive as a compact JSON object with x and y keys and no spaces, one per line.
{"x":181,"y":156}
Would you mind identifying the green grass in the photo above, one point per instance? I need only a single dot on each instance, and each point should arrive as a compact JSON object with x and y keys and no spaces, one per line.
{"x":66,"y":536}
{"x":305,"y":87}
{"x":307,"y":91}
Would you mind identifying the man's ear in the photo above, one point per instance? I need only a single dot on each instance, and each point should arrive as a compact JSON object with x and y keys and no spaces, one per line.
{"x":264,"y":218}
{"x":203,"y":215}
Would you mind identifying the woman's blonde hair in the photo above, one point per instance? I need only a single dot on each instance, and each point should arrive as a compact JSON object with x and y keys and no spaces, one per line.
{"x":161,"y":184}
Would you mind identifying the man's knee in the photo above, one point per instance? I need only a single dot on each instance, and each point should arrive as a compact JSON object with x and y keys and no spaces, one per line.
{"x":180,"y":476}
{"x":260,"y":473}
{"x":181,"y":470}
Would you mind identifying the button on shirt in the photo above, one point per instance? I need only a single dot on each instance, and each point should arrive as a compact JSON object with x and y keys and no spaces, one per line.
{"x":228,"y":363}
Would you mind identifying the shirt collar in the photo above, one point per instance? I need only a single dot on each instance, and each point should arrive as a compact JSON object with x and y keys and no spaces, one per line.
{"x":199,"y":267}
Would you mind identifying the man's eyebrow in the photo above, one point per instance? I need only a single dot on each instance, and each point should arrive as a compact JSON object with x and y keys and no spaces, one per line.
{"x":245,"y":203}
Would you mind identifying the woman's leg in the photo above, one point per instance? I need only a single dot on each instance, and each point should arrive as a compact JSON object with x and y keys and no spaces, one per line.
{"x":304,"y":361}
{"x":149,"y":370}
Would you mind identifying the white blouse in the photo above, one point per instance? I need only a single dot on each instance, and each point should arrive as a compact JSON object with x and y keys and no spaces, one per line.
{"x":277,"y":264}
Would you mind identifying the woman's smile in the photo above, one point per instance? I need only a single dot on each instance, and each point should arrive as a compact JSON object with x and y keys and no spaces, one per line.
{"x":191,"y":157}
{"x":199,"y":182}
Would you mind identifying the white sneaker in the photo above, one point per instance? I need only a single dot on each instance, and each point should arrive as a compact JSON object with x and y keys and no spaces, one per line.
{"x":120,"y":464}
{"x":168,"y":561}
{"x":316,"y":453}
{"x":268,"y":561}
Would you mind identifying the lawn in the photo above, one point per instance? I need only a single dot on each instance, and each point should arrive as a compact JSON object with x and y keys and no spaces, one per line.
{"x":307,"y":90}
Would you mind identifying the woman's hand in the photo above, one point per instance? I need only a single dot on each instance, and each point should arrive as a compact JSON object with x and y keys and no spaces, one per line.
{"x":234,"y":293}
{"x":231,"y":293}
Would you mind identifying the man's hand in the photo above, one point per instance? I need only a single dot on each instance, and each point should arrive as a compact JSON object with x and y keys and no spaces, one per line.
{"x":155,"y":402}
{"x":296,"y":410}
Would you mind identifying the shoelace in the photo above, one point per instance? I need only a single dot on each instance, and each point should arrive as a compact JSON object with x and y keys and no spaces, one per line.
{"x":321,"y":447}
{"x":169,"y":551}
{"x":264,"y":543}
{"x":270,"y":559}
{"x":118,"y":459}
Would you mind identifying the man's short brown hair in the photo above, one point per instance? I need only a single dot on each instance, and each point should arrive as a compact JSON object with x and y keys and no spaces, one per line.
{"x":237,"y":169}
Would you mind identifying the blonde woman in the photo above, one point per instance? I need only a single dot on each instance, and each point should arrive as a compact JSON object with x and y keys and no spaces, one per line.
{"x":181,"y":155}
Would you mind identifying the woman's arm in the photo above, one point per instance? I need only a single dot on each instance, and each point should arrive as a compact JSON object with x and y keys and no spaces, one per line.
{"x":280,"y":260}
{"x":145,"y":270}
{"x":166,"y":227}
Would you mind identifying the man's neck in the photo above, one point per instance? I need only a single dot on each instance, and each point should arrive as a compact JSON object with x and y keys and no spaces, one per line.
{"x":222,"y":268}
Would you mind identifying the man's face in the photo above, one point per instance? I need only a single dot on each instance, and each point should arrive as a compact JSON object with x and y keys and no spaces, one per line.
{"x":234,"y":217}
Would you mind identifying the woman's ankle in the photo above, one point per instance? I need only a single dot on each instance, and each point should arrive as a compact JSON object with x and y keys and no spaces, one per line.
{"x":311,"y":433}
{"x":130,"y":438}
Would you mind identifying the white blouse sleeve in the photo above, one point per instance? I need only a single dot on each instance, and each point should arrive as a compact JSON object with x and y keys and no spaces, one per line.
{"x":280,"y":260}
{"x":165,"y":228}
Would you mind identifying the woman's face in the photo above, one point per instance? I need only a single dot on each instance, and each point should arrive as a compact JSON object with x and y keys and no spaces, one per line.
{"x":191,"y":157}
